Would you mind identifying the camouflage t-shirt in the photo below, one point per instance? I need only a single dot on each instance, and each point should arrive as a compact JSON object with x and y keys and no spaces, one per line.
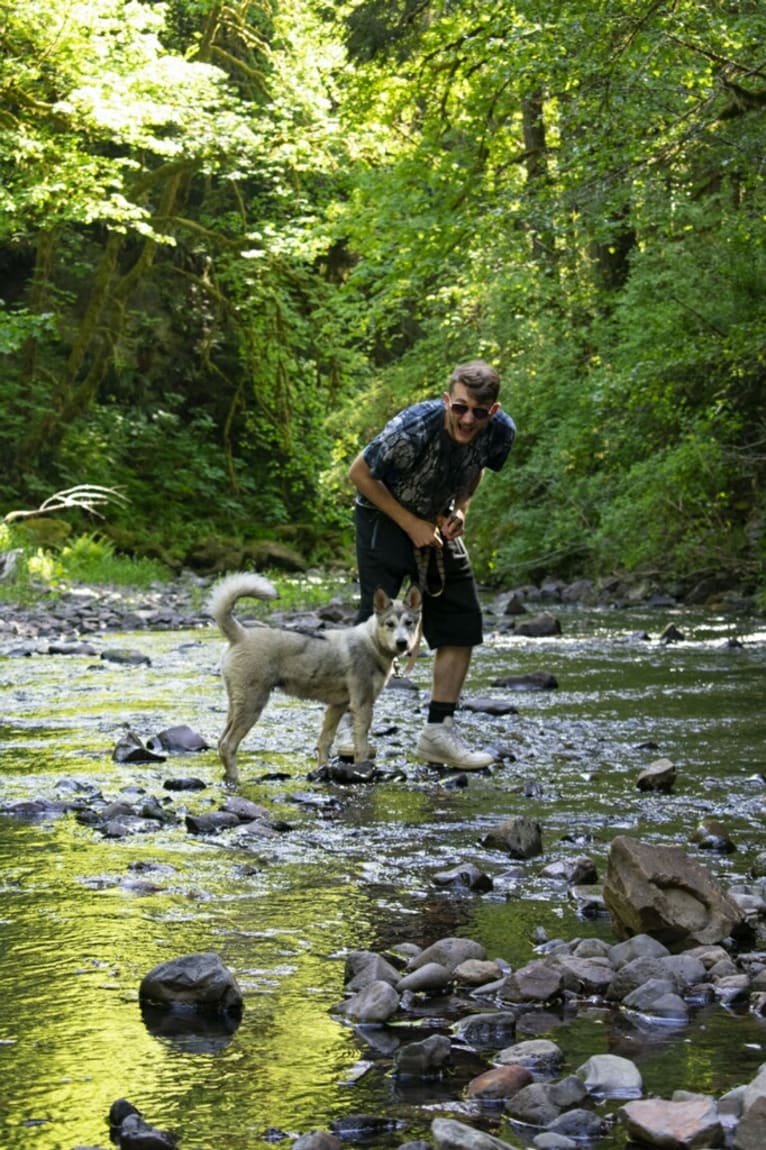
{"x":423,"y":468}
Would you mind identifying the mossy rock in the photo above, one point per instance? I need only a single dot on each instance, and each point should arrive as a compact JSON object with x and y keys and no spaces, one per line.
{"x":267,"y":553}
{"x":42,"y":531}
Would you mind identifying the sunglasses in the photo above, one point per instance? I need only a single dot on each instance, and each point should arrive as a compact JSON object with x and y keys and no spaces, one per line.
{"x":479,"y":413}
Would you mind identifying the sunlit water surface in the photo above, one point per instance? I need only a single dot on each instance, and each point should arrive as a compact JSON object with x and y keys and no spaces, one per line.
{"x":82,"y":918}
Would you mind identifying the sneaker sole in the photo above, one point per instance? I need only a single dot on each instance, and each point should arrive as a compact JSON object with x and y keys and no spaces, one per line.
{"x":454,"y":766}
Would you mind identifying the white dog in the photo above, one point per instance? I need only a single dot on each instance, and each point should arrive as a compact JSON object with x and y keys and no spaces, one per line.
{"x":345,"y":668}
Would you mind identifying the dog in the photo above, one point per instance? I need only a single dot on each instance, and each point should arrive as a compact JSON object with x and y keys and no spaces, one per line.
{"x":345,"y":668}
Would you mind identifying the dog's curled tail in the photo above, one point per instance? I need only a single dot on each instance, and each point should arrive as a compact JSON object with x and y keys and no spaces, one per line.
{"x":224,"y":595}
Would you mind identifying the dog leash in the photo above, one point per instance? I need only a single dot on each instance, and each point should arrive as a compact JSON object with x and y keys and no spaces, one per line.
{"x":423,"y":556}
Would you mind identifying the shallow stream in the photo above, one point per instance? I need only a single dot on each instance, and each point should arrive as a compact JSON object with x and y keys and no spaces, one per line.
{"x":82,"y":918}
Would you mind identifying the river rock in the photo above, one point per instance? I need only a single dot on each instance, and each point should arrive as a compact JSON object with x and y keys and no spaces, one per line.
{"x":449,"y":952}
{"x":638,"y":946}
{"x":465,"y":875}
{"x":426,"y":1059}
{"x":211,"y":823}
{"x":126,"y":658}
{"x":673,"y":1125}
{"x":179,"y":740}
{"x":376,"y":1002}
{"x":244,"y":809}
{"x":659,"y":890}
{"x":542,"y":626}
{"x":582,"y":1125}
{"x":657,"y":998}
{"x":538,"y":981}
{"x":573,"y":871}
{"x":500,"y":1082}
{"x":489,"y":1030}
{"x":475,"y":972}
{"x":539,"y":1054}
{"x":584,"y":975}
{"x":658,"y":776}
{"x":130,"y":749}
{"x":533,"y":1105}
{"x":713,"y":835}
{"x":131,"y":1132}
{"x":521,"y":837}
{"x":430,"y":978}
{"x":448,"y":1134}
{"x":199,"y":980}
{"x":751,"y":1131}
{"x":317,"y":1140}
{"x":366,"y":966}
{"x":610,"y":1076}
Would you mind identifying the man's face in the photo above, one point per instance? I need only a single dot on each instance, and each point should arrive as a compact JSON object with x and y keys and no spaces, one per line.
{"x":461,"y":420}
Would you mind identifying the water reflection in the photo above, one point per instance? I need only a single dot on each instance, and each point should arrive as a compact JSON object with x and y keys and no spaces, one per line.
{"x":82,"y":918}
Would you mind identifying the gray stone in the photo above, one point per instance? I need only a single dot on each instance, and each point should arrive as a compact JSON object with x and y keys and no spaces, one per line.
{"x":365,"y":966}
{"x":425,"y":1059}
{"x":682,"y":1125}
{"x":489,"y":1030}
{"x":659,"y":890}
{"x":537,"y":1053}
{"x":449,"y":952}
{"x":609,"y":1076}
{"x":639,"y":946}
{"x":538,"y":981}
{"x":448,"y":1134}
{"x":374,"y":1003}
{"x":200,"y":980}
{"x":521,"y":837}
{"x":533,"y":1105}
{"x":431,"y":978}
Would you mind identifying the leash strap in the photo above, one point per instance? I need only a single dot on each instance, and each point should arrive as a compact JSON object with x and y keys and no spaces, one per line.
{"x":423,"y":557}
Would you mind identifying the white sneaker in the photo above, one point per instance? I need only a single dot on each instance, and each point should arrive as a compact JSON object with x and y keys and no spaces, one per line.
{"x":344,"y":740}
{"x":443,"y":743}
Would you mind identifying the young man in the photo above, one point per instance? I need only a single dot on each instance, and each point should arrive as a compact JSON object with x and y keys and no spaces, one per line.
{"x":414,"y":482}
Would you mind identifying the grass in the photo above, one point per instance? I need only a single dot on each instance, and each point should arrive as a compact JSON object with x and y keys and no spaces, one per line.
{"x":90,"y":559}
{"x":86,"y":559}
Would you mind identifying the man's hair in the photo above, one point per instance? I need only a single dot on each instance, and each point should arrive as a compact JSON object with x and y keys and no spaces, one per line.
{"x":479,"y":378}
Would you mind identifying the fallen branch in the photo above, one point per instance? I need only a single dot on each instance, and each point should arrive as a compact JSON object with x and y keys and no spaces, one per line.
{"x":85,"y":496}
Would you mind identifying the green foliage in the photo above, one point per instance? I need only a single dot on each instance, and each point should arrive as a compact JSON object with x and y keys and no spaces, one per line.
{"x":89,"y":558}
{"x":235,"y":240}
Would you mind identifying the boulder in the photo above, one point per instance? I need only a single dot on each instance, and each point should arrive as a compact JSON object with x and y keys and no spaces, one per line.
{"x":198,"y":980}
{"x":659,"y":890}
{"x":673,"y":1125}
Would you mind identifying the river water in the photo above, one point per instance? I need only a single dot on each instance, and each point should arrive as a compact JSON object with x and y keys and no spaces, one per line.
{"x":82,"y":917}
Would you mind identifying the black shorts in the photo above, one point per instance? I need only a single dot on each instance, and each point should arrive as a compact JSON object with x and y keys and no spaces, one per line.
{"x":386,"y":558}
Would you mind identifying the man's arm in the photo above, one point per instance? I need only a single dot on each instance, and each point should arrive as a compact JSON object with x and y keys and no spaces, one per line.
{"x":454,"y":525}
{"x":421,"y":532}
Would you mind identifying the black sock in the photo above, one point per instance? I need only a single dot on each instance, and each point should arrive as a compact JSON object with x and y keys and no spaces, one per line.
{"x":438,"y":712}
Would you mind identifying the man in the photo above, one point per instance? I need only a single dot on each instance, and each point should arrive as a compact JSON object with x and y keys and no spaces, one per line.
{"x":414,"y":484}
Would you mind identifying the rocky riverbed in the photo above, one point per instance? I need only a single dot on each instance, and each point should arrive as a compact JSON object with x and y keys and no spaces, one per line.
{"x":531,"y":1022}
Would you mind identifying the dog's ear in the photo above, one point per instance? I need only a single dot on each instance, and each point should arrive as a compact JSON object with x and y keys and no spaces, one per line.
{"x":414,"y":598}
{"x":380,"y":599}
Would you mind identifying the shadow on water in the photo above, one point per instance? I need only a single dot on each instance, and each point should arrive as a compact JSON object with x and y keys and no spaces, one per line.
{"x":83,"y":917}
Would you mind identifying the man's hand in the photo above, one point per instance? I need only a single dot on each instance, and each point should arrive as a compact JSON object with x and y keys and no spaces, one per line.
{"x":452,"y":526}
{"x":424,"y":534}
